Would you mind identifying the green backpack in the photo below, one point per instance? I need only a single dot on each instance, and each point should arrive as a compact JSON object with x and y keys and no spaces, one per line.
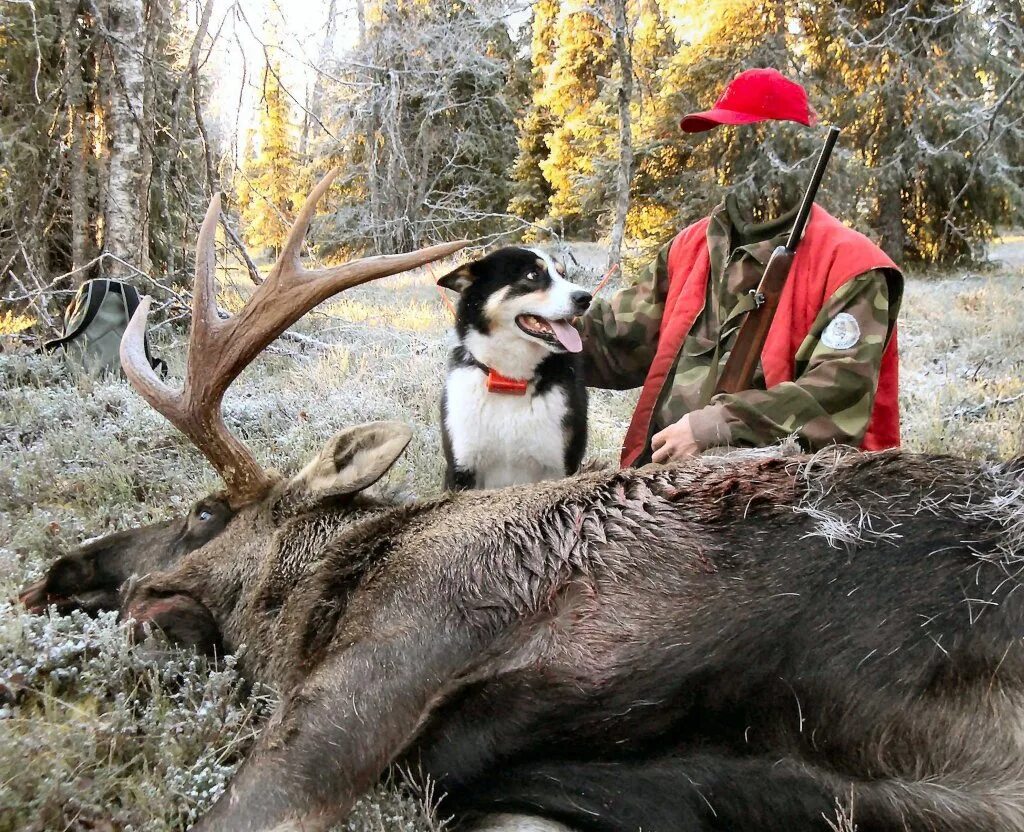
{"x":94,"y":323}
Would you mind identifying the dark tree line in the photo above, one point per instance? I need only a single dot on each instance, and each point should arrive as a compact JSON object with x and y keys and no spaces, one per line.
{"x":453,"y":119}
{"x":929,"y":94}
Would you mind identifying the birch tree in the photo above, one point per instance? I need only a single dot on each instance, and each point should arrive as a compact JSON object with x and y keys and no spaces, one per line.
{"x":82,"y":231}
{"x":125,"y":198}
{"x":624,"y":101}
{"x":96,"y":155}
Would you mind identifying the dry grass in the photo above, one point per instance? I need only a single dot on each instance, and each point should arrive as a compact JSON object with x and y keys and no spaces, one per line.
{"x":96,"y":733}
{"x":962,"y":348}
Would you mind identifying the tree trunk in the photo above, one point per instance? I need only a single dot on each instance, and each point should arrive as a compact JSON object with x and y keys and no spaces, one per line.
{"x":157,"y":22}
{"x":624,"y":172}
{"x":890,"y":221}
{"x":82,"y":244}
{"x":124,"y":233}
{"x":361,"y":21}
{"x":314,"y":102}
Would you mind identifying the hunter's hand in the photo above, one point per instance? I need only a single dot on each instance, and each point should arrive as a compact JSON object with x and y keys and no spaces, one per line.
{"x":674,"y":442}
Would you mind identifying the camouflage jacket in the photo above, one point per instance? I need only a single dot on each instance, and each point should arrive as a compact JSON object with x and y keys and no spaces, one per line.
{"x":832,"y":394}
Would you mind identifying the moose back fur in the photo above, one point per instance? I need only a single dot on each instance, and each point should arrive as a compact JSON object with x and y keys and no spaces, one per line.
{"x":706,"y":646}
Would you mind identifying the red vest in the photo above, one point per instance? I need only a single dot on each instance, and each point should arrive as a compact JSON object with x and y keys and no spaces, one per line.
{"x":829,"y":255}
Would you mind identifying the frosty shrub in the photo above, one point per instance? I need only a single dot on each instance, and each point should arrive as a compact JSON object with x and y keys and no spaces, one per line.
{"x":96,"y":731}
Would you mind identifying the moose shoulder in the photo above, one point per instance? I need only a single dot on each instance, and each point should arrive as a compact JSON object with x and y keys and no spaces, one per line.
{"x":738,"y":645}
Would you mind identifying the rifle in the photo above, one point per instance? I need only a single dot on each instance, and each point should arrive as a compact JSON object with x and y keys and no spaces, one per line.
{"x":739,"y":367}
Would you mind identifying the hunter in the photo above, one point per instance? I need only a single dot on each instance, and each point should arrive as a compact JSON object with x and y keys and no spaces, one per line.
{"x":828,"y":368}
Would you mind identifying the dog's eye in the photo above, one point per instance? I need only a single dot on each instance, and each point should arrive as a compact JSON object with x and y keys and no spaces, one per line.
{"x":532,"y":276}
{"x":204,"y":514}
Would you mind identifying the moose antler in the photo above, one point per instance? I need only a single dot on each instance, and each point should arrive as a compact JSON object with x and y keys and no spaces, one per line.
{"x":220,"y":349}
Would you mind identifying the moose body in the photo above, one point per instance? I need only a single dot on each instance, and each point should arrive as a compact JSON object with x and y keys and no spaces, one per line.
{"x":675,"y":648}
{"x":730,"y":645}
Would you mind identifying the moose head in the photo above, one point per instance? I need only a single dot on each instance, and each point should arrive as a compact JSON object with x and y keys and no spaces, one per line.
{"x":242,"y":517}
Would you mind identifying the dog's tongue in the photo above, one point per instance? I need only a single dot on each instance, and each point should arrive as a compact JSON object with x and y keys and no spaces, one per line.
{"x":567,"y":335}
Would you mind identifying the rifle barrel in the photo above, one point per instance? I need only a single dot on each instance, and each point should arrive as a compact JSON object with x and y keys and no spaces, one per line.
{"x":812,"y":189}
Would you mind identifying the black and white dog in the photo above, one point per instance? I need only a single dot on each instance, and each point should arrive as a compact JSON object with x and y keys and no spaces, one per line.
{"x":514,"y":408}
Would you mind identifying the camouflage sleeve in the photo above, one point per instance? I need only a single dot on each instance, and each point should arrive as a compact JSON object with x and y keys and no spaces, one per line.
{"x":620,"y":335}
{"x":830,"y":401}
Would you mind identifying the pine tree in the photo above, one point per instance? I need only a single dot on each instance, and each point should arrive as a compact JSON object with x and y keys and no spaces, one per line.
{"x":910,"y":90}
{"x":584,"y":121}
{"x":689,"y":175}
{"x":532,"y":191}
{"x":657,"y":145}
{"x":268,"y":178}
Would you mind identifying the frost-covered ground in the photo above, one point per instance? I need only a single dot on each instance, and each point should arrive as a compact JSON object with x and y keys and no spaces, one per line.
{"x":95,"y":735}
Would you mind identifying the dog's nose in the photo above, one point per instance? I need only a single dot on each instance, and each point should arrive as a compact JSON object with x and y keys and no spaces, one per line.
{"x":581,"y":300}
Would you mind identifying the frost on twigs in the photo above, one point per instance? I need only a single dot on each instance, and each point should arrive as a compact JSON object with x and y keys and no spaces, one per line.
{"x":98,"y":734}
{"x":94,"y":732}
{"x":93,"y":735}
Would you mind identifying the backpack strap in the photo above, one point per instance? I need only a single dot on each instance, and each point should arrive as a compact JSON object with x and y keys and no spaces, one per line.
{"x":96,"y":290}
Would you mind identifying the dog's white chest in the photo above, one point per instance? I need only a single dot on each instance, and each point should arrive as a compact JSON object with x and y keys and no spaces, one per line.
{"x":505,"y":439}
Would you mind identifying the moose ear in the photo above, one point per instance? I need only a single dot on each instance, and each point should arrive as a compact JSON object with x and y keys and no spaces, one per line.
{"x":352,"y":460}
{"x":459,"y":280}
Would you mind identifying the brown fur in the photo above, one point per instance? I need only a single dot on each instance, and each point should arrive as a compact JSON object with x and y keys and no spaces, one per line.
{"x":702,"y":619}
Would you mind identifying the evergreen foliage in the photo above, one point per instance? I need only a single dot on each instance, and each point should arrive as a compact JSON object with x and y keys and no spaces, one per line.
{"x":533,"y":191}
{"x":454,"y":118}
{"x":578,"y":97}
{"x":267,"y":184}
{"x":929,"y":95}
{"x":914,"y":86}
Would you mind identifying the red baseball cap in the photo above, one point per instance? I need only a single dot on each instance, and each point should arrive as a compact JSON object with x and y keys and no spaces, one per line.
{"x":754,"y":95}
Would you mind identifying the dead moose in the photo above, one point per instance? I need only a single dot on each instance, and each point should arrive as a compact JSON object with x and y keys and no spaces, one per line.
{"x":736,"y":645}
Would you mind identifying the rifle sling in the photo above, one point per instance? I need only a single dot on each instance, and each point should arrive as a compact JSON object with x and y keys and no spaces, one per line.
{"x":741,"y":364}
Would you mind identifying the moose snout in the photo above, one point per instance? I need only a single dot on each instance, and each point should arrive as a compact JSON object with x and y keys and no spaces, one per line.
{"x":581,"y":302}
{"x":69,"y":583}
{"x":34,"y":597}
{"x":181,"y":618}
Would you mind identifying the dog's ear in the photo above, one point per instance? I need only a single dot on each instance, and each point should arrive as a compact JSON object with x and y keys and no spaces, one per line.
{"x":460,"y":279}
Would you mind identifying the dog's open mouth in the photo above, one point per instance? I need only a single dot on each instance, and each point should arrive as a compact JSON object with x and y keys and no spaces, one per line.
{"x":560,"y":332}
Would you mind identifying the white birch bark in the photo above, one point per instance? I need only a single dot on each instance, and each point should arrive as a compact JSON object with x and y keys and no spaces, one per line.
{"x":124,"y":89}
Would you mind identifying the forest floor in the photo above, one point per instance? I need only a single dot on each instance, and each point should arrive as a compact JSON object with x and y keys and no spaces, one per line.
{"x":96,"y":736}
